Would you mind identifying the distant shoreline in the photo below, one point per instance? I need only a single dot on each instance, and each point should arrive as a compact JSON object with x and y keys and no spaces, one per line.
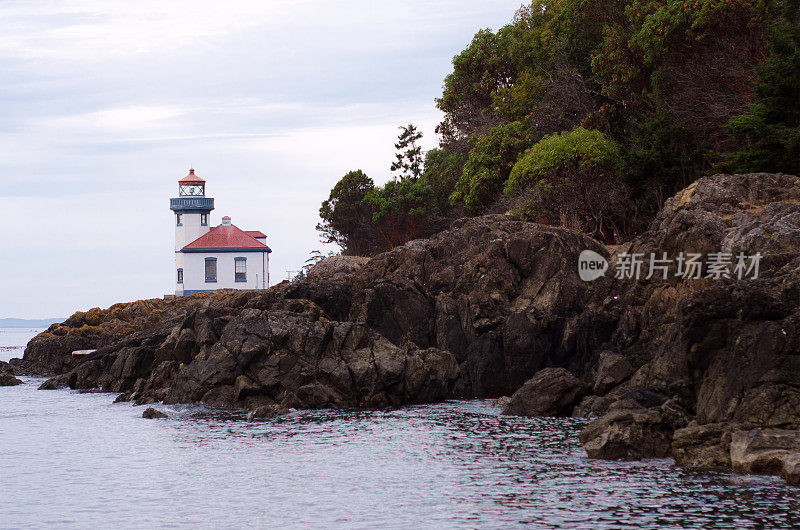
{"x":28,"y":322}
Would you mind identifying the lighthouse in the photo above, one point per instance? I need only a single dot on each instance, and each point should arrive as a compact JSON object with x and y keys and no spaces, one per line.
{"x":211,"y":257}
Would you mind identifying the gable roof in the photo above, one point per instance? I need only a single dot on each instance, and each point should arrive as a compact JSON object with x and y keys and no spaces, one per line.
{"x":226,"y":238}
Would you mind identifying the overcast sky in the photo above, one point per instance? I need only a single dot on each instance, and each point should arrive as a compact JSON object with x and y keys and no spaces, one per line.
{"x":106,"y":104}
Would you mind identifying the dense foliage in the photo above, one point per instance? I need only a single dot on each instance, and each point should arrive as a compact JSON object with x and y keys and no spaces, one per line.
{"x":571,"y":179}
{"x":589,"y":113}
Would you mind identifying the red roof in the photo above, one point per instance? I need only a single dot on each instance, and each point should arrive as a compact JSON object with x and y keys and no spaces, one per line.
{"x":255,"y":233}
{"x":191,"y":178}
{"x":227,"y":237}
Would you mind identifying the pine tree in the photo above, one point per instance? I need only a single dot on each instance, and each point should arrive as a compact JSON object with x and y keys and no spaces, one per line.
{"x":409,"y":155}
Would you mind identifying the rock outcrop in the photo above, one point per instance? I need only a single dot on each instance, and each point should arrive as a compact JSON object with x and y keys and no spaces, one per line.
{"x":7,"y":375}
{"x":721,"y":353}
{"x":472,"y":312}
{"x":612,"y":369}
{"x":770,"y":452}
{"x":628,"y":434}
{"x":672,"y":364}
{"x":551,"y":392}
{"x":153,"y":414}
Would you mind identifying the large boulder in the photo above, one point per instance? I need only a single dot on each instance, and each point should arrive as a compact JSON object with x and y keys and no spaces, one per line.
{"x":767,"y":452}
{"x":7,"y":375}
{"x":591,"y":407}
{"x":629,"y":433}
{"x":702,"y":446}
{"x":551,"y":392}
{"x":154,"y":414}
{"x":336,"y":268}
{"x":612,"y":369}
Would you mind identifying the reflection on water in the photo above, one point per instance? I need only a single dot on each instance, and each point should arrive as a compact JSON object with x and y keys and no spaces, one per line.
{"x":78,"y":460}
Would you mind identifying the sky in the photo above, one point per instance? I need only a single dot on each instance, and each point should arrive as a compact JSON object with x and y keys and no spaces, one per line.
{"x":105,"y":104}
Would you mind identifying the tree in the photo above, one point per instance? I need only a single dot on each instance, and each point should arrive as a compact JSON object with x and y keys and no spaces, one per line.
{"x":408,"y":159}
{"x":571,"y":179}
{"x":769,"y":134}
{"x":401,"y":207}
{"x":312,"y":260}
{"x":346,"y":219}
{"x":443,"y":168}
{"x":400,"y":210}
{"x":466,"y":101}
{"x":589,"y":113}
{"x":489,"y":164}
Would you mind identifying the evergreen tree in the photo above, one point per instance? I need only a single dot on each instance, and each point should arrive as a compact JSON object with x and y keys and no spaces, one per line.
{"x":408,"y":160}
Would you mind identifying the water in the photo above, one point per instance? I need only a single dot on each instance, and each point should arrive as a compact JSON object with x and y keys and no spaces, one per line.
{"x":69,"y":459}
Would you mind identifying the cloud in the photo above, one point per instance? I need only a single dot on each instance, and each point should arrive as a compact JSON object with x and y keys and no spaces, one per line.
{"x":106,"y":103}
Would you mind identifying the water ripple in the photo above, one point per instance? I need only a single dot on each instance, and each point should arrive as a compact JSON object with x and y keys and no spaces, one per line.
{"x":70,"y":459}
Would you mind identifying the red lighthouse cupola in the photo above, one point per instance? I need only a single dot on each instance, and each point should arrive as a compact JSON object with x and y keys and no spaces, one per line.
{"x":191,"y":186}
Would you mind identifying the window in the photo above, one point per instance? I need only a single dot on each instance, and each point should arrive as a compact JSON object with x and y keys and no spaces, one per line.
{"x":241,"y":269}
{"x":211,"y":270}
{"x":204,"y":219}
{"x":180,"y":275}
{"x":178,"y":217}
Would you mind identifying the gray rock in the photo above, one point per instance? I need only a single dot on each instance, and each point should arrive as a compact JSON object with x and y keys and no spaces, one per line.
{"x":57,"y":382}
{"x":7,"y":375}
{"x":152,"y":414}
{"x":336,"y":267}
{"x":266,"y":411}
{"x":767,"y":452}
{"x":628,"y":434}
{"x":612,"y":369}
{"x":9,"y":380}
{"x":551,"y":392}
{"x":702,"y":446}
{"x":591,"y":407}
{"x":501,"y":402}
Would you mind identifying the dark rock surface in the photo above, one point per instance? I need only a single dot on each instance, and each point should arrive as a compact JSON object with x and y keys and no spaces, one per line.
{"x":152,"y":414}
{"x":612,"y":369}
{"x":723,"y":353}
{"x":769,"y":451}
{"x":266,"y":411}
{"x":702,"y":446}
{"x":478,"y":310}
{"x":628,"y":434}
{"x":472,"y":312}
{"x":551,"y":392}
{"x":501,"y":402}
{"x":591,"y":407}
{"x":7,"y":375}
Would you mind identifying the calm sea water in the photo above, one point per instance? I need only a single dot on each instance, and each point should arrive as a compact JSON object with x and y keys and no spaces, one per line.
{"x":69,"y":459}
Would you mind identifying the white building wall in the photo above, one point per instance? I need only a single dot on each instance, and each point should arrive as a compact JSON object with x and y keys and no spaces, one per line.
{"x":179,"y":264}
{"x":189,"y":229}
{"x":194,"y":271}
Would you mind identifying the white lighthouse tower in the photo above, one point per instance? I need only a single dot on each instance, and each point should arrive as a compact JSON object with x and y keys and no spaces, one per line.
{"x":213,"y":258}
{"x":192,"y":217}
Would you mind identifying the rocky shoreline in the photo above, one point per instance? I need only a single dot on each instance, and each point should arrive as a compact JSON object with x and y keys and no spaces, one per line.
{"x":704,"y":370}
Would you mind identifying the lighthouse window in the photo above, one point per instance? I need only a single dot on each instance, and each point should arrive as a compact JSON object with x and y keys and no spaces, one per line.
{"x":241,"y":269}
{"x":178,"y":217}
{"x":180,"y":275}
{"x":204,"y":219}
{"x":211,"y":270}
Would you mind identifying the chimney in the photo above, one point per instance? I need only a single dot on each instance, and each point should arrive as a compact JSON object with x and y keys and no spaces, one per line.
{"x":226,"y":221}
